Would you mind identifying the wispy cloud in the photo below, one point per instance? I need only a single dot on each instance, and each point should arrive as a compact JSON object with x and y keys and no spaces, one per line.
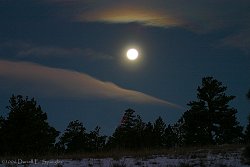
{"x":198,"y":16}
{"x":240,"y":40}
{"x":60,"y":82}
{"x":25,"y":50}
{"x":45,"y":51}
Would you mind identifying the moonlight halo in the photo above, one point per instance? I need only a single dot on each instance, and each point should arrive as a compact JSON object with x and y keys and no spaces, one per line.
{"x":132,"y":54}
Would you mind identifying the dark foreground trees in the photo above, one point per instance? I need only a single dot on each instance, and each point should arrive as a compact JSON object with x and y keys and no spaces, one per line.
{"x":26,"y":130}
{"x":210,"y":119}
{"x":247,"y":132}
{"x":133,"y":133}
{"x":76,"y":139}
{"x":128,"y":133}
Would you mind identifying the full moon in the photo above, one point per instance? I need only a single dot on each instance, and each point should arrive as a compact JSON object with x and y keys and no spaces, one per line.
{"x":132,"y":54}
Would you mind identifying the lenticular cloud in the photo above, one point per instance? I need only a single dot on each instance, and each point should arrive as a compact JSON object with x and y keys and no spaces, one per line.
{"x":61,"y":82}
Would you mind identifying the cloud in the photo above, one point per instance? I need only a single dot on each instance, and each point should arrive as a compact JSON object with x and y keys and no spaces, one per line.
{"x":57,"y":82}
{"x":44,"y":51}
{"x":24,"y":50}
{"x":238,"y":40}
{"x":143,"y":12}
{"x":123,"y":13}
{"x":198,"y":16}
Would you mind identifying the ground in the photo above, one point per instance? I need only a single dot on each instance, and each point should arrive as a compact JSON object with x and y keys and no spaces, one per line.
{"x":189,"y":157}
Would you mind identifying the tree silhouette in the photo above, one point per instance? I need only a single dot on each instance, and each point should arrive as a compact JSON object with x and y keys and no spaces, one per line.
{"x":148,"y":137}
{"x":247,"y":132}
{"x":133,"y":133}
{"x":2,"y":148}
{"x":26,"y":130}
{"x":171,"y":139}
{"x":128,"y":120}
{"x":138,"y":132}
{"x":96,"y":142}
{"x":196,"y":125}
{"x":248,"y":95}
{"x":159,"y":132}
{"x":124,"y":135}
{"x":210,"y":120}
{"x":74,"y":138}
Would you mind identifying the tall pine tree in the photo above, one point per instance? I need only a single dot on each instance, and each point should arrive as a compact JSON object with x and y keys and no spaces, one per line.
{"x":26,"y":130}
{"x":124,"y":135}
{"x":210,"y":119}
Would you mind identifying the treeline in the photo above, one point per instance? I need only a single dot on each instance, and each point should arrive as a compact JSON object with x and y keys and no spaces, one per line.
{"x":209,"y":121}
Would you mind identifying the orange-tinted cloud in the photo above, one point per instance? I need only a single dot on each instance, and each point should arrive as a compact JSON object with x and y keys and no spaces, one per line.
{"x":60,"y":82}
{"x":197,"y":16}
{"x":123,"y":13}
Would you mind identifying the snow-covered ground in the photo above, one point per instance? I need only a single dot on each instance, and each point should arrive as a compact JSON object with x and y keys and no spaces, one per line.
{"x":200,"y":159}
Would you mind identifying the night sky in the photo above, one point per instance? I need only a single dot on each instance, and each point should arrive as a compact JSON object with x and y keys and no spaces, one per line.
{"x":70,"y":55}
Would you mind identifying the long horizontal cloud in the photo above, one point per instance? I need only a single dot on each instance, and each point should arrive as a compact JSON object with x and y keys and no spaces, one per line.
{"x":42,"y":52}
{"x":23,"y":49}
{"x":198,"y":16}
{"x":61,"y":82}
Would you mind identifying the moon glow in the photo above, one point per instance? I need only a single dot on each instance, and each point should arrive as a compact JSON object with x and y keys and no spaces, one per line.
{"x":132,"y":54}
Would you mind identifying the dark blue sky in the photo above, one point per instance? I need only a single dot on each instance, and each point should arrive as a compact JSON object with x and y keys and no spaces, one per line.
{"x":70,"y":56}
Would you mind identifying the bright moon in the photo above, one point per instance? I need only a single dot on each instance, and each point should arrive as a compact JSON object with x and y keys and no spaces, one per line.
{"x":132,"y":54}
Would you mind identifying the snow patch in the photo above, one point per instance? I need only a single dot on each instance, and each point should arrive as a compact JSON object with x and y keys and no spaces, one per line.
{"x":196,"y":160}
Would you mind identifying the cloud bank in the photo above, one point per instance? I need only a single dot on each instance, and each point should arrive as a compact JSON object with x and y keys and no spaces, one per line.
{"x":60,"y":82}
{"x":198,"y":16}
